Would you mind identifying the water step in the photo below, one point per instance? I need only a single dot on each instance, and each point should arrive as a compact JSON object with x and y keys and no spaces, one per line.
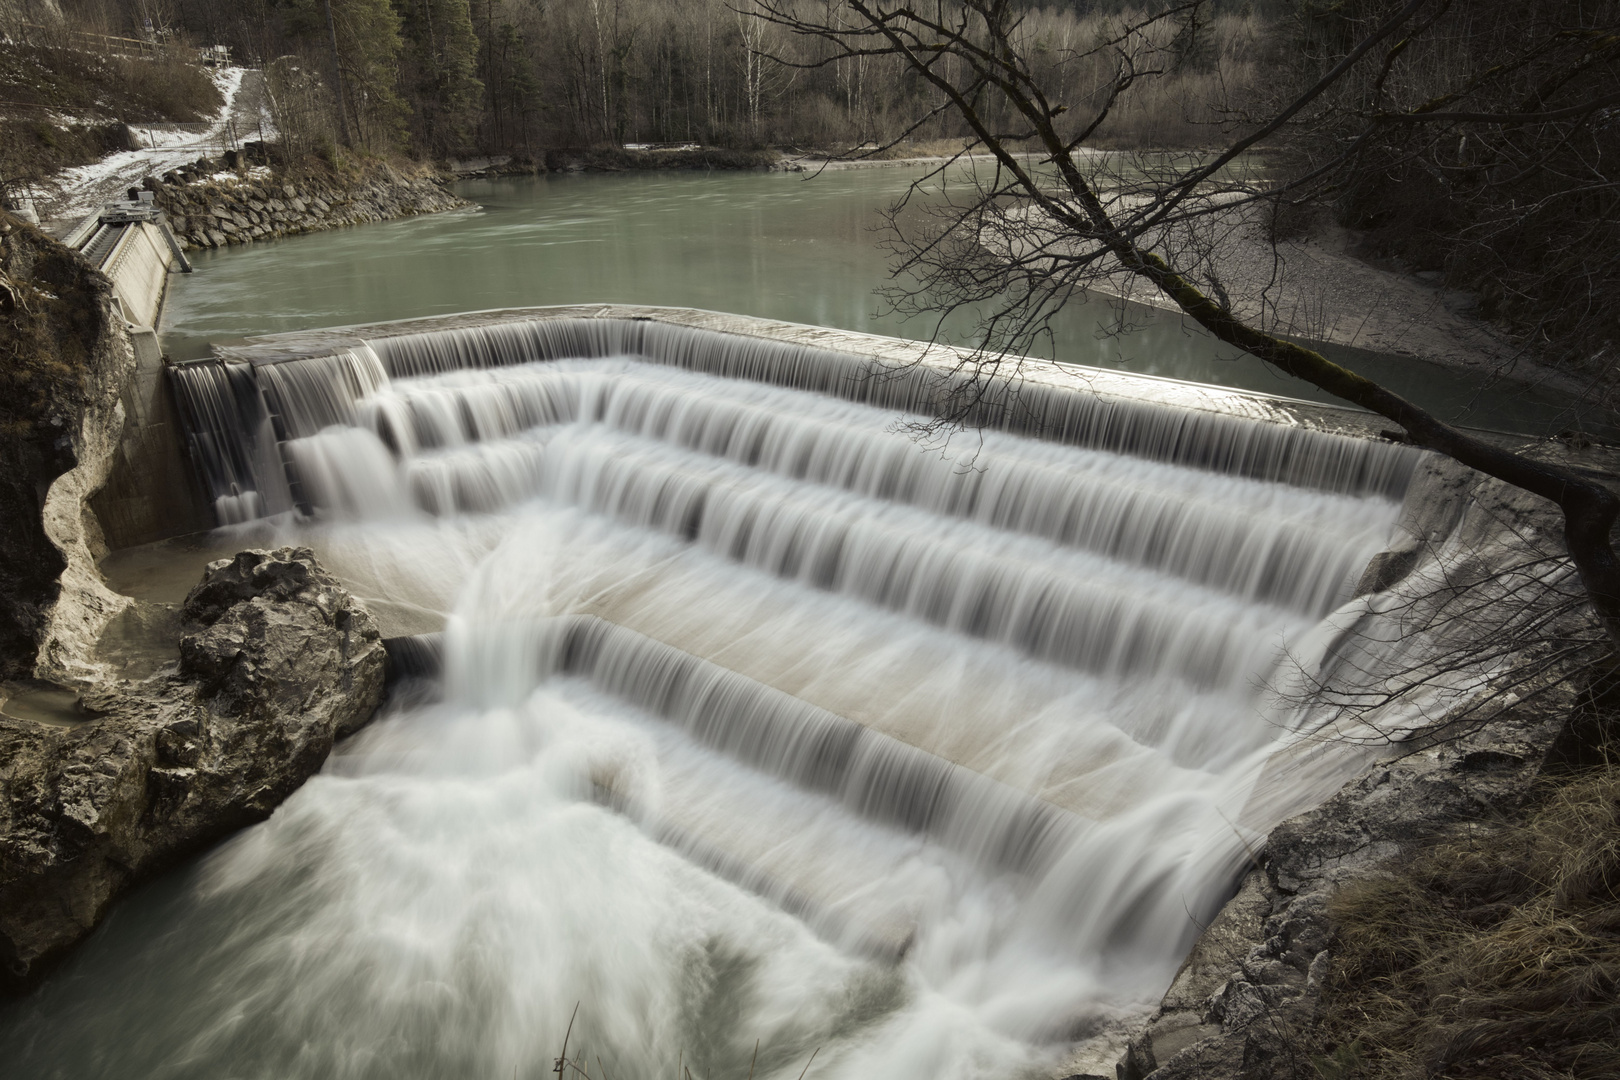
{"x":883,"y":931}
{"x":952,"y":699}
{"x":871,"y":774}
{"x":414,"y":656}
{"x":831,"y":865}
{"x":477,"y":443}
{"x":1215,"y":442}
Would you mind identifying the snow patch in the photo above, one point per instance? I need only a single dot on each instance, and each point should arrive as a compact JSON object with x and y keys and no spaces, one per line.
{"x":77,"y":191}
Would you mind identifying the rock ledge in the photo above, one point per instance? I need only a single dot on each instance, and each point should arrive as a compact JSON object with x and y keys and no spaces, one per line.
{"x":279,"y":662}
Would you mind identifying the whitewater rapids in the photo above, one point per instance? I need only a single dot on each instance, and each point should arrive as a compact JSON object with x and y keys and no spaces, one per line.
{"x":757,"y":722}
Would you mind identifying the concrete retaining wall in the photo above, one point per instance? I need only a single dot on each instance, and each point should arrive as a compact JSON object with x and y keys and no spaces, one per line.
{"x":139,"y":268}
{"x":152,"y":492}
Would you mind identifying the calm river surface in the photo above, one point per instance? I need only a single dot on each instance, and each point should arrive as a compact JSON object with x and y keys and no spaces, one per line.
{"x":777,"y":245}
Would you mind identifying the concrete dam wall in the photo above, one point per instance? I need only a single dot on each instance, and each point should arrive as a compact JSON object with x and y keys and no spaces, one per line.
{"x":1022,"y":706}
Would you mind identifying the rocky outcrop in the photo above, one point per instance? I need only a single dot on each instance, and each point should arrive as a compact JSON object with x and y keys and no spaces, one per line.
{"x":61,"y":418}
{"x":1254,"y":980}
{"x":278,"y":661}
{"x":218,"y":203}
{"x":1255,"y":977}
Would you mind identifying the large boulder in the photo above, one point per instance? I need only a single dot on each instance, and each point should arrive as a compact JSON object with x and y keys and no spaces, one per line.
{"x":279,"y":661}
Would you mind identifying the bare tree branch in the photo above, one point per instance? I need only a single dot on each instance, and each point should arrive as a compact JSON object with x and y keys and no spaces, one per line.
{"x":1016,"y":261}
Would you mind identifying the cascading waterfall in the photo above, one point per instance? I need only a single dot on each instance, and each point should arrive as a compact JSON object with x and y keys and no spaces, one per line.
{"x":754,"y":718}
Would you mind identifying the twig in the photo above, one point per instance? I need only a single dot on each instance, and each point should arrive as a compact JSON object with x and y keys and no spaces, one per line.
{"x":558,"y":1068}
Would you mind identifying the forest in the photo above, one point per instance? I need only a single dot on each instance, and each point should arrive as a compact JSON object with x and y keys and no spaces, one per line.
{"x":447,"y":77}
{"x":1521,"y":215}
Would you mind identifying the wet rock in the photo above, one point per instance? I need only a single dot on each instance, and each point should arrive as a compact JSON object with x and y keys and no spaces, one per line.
{"x":278,"y":662}
{"x":63,"y":417}
{"x":1254,"y":978}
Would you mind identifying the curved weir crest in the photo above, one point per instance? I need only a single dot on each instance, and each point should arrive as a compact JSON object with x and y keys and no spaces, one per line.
{"x":755,"y":718}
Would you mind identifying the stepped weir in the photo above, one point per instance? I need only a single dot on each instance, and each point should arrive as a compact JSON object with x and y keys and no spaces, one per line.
{"x":732,"y":690}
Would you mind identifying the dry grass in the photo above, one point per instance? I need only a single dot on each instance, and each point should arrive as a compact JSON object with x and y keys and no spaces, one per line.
{"x":42,"y":84}
{"x":1494,"y":953}
{"x":165,"y":86}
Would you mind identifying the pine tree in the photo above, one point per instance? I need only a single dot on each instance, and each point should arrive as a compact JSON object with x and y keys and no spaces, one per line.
{"x":440,"y":72}
{"x":367,"y":63}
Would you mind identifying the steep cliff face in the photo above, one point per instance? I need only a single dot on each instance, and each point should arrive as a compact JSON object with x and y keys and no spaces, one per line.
{"x":277,"y":663}
{"x":64,"y":356}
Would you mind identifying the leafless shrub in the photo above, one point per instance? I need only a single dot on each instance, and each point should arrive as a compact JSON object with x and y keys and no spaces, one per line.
{"x":302,"y":107}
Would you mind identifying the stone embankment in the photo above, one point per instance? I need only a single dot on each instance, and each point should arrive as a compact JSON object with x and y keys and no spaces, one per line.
{"x":278,"y":661}
{"x":209,"y":210}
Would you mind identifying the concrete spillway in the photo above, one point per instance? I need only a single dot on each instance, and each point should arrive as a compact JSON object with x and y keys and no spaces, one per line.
{"x":954,"y":748}
{"x":152,"y":492}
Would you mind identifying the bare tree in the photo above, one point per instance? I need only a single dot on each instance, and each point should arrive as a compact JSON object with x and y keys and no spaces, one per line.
{"x":760,"y":78}
{"x":1486,"y":614}
{"x":1045,"y":221}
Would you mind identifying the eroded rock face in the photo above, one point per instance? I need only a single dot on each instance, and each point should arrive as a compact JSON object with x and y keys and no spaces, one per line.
{"x":66,"y":358}
{"x":1255,"y":978}
{"x":278,"y":662}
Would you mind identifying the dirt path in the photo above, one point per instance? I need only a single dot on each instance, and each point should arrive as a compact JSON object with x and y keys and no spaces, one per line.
{"x":244,"y":116}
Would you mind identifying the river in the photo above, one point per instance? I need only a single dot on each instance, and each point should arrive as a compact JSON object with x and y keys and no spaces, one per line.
{"x":760,"y":724}
{"x":779,"y":245}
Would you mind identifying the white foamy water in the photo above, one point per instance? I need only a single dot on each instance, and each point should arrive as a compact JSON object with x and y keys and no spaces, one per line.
{"x":758,"y":722}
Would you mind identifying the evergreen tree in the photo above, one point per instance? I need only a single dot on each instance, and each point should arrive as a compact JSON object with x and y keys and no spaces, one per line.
{"x":367,"y":63}
{"x":440,"y":72}
{"x":512,"y":89}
